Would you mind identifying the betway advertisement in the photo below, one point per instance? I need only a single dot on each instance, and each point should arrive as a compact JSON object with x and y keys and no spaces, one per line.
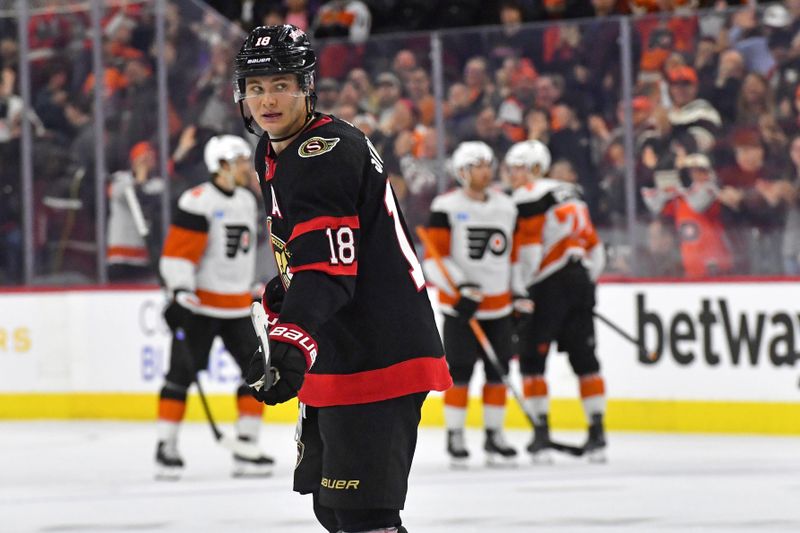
{"x":706,"y":341}
{"x":709,"y":341}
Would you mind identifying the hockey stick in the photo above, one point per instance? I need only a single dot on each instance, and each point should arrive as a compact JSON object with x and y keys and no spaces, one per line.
{"x":261,"y":325}
{"x":491,"y":355}
{"x":650,"y":356}
{"x":239,"y":447}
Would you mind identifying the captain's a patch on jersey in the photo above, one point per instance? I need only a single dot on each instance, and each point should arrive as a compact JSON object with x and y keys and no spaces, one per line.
{"x":317,"y":146}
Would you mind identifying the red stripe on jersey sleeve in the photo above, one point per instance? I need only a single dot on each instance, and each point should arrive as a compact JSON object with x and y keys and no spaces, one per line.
{"x":320,"y":223}
{"x":333,"y":270}
{"x":407,"y":377}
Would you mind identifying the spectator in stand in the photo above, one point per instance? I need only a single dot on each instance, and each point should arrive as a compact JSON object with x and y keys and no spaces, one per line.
{"x":388,"y":91}
{"x":274,"y":15}
{"x":697,"y":216}
{"x":511,"y":113}
{"x":327,"y":90}
{"x":727,"y":84}
{"x":570,"y":140}
{"x":360,"y":79}
{"x":134,"y":207}
{"x":403,"y":63}
{"x":479,"y":83}
{"x":212,"y":95}
{"x":537,"y":124}
{"x":755,"y":100}
{"x":350,"y":94}
{"x":139,"y":115}
{"x":418,"y":89}
{"x":756,"y":200}
{"x":548,"y":90}
{"x":690,"y":114}
{"x":421,"y":170}
{"x":458,"y":113}
{"x":489,"y":129}
{"x":784,"y":77}
{"x":297,"y":13}
{"x":342,"y":18}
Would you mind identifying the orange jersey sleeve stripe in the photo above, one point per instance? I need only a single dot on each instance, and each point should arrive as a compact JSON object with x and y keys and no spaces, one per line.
{"x":494,"y":394}
{"x":171,"y":410}
{"x":440,"y":239}
{"x":224,"y":301}
{"x":529,"y":230}
{"x":456,"y":396}
{"x":185,"y":244}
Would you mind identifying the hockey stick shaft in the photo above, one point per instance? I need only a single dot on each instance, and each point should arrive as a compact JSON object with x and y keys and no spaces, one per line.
{"x":245,"y":449}
{"x":652,"y":356}
{"x":483,"y":340}
{"x":180,"y":335}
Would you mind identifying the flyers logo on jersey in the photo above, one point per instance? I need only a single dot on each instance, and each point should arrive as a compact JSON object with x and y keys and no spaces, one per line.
{"x":479,"y":239}
{"x":236,"y":238}
{"x":317,"y":146}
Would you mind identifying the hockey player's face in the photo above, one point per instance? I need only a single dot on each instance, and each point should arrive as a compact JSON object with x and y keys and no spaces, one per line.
{"x":518,"y":176}
{"x":276,"y":103}
{"x":480,"y":176}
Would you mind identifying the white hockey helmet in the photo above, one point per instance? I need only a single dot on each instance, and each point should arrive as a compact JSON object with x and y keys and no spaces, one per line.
{"x":527,"y":154}
{"x":224,"y":148}
{"x":470,"y":153}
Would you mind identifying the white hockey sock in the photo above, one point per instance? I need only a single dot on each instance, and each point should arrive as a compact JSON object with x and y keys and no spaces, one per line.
{"x":168,"y":431}
{"x":454,"y":417}
{"x":593,"y":405}
{"x":248,"y":427}
{"x":538,"y":405}
{"x":493,"y":416}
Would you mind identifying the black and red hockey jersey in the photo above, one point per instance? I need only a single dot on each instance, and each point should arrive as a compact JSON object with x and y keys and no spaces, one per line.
{"x":352,"y":277}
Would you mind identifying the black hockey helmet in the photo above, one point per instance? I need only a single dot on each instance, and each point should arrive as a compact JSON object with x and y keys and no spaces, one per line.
{"x":278,"y":49}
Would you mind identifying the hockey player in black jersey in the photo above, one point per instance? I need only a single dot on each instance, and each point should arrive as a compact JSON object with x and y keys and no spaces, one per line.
{"x":354,"y":338}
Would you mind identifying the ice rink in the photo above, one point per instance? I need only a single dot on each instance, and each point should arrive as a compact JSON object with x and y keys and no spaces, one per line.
{"x":98,"y":476}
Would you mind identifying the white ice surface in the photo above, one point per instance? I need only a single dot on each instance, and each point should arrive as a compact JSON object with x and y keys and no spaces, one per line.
{"x":98,"y":476}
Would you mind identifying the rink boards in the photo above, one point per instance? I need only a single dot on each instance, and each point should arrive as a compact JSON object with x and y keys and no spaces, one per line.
{"x":725,"y":360}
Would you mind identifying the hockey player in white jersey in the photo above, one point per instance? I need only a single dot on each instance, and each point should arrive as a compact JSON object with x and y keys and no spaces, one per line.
{"x":208,"y":268}
{"x":560,"y":259}
{"x":472,"y":228}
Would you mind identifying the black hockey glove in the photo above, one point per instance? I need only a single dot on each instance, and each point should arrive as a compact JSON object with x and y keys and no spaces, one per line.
{"x":292,"y":352}
{"x":469,"y":300}
{"x":177,"y":314}
{"x":272,"y":299}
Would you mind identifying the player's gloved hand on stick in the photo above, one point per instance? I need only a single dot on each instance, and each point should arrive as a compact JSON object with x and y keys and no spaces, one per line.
{"x":272,"y":299}
{"x":470,"y":297}
{"x":178,"y":312}
{"x":292,"y":352}
{"x":523,"y":310}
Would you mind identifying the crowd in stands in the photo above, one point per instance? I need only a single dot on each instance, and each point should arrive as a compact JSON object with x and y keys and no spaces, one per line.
{"x":715,"y":113}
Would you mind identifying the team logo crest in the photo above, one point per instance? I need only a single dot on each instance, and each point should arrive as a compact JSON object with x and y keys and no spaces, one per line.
{"x":282,"y":257}
{"x":317,"y":146}
{"x":481,"y":239}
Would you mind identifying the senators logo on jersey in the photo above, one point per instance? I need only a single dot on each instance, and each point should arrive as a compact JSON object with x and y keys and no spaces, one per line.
{"x":481,"y":239}
{"x":282,"y":257}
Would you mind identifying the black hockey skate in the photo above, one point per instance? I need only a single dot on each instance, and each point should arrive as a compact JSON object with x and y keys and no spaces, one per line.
{"x":595,"y":447}
{"x":457,"y":448}
{"x":498,"y":451}
{"x":540,"y":447}
{"x":246,"y":467}
{"x":169,"y":465}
